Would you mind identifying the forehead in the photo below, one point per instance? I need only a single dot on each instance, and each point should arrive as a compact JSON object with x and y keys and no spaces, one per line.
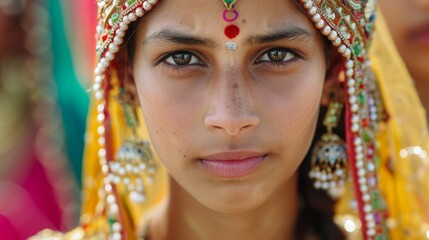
{"x":205,"y":16}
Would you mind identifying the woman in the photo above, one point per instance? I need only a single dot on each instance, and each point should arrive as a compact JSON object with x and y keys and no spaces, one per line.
{"x":230,"y":92}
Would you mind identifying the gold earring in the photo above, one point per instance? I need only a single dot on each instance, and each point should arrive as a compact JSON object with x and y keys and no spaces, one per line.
{"x":329,"y":156}
{"x":134,"y":164}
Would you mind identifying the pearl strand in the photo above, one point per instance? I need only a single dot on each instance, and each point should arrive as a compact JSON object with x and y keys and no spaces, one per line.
{"x":352,"y":87}
{"x":113,"y":42}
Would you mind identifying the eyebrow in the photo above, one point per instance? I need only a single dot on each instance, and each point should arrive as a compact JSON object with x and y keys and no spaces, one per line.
{"x":176,"y":37}
{"x":283,"y":34}
{"x":180,"y":38}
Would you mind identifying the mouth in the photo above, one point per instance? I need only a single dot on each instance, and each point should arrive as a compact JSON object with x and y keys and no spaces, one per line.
{"x":233,"y":164}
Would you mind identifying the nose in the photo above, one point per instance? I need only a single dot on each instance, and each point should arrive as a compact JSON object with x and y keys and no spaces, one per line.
{"x":230,"y":109}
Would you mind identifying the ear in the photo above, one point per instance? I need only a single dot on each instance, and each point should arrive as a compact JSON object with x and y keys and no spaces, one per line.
{"x":333,"y":77}
{"x":126,"y":75}
{"x":130,"y":85}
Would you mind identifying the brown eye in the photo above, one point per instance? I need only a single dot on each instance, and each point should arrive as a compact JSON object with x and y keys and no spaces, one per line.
{"x":182,"y":58}
{"x":276,"y":55}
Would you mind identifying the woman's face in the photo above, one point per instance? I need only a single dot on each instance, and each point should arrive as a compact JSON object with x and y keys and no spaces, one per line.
{"x":408,"y":21}
{"x":230,"y":126}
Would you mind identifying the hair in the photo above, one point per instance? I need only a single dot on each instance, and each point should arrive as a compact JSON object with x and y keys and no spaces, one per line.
{"x":317,"y":211}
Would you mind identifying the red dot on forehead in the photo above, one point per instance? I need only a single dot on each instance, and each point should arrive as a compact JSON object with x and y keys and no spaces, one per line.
{"x":231,"y":31}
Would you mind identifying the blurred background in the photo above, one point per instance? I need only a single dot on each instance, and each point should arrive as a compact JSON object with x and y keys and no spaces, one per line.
{"x":46,"y":64}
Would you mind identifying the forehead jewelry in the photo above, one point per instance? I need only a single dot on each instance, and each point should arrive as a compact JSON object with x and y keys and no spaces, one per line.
{"x":230,"y":15}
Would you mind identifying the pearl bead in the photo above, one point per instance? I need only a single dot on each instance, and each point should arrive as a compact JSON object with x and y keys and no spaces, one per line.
{"x":126,"y":20}
{"x":326,"y":30}
{"x":123,"y":26}
{"x":312,"y":10}
{"x":349,"y":64}
{"x":361,"y":172}
{"x":347,"y":53}
{"x":316,"y":18}
{"x":333,"y":35}
{"x":367,"y":208}
{"x":117,"y":227}
{"x":352,"y":99}
{"x":132,"y":17}
{"x":147,"y":6}
{"x":355,"y":127}
{"x":105,"y":169}
{"x":357,"y":141}
{"x":101,"y":141}
{"x":320,"y":24}
{"x":337,"y":42}
{"x":351,"y":90}
{"x":118,"y":40}
{"x":351,"y":82}
{"x":350,"y":72}
{"x":139,"y":12}
{"x":342,"y":48}
{"x":120,"y":33}
{"x":308,"y":4}
{"x":153,"y":2}
{"x":99,"y":95}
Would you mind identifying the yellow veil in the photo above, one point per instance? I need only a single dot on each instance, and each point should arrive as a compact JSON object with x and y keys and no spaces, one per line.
{"x":404,"y":142}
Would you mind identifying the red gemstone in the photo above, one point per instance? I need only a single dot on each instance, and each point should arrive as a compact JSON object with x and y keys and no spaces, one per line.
{"x":124,"y":7}
{"x":232,"y":31}
{"x":365,"y":122}
{"x":104,"y":37}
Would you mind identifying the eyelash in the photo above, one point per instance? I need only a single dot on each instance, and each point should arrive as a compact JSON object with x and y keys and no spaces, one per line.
{"x":168,"y":61}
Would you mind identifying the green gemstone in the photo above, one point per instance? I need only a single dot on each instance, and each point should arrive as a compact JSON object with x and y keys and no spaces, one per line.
{"x":130,"y":2}
{"x":229,"y":1}
{"x":115,"y":17}
{"x":362,"y":98}
{"x":366,"y":136}
{"x":357,"y":49}
{"x":111,"y":221}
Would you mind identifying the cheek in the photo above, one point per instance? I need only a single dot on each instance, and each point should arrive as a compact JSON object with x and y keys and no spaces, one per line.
{"x":167,"y":114}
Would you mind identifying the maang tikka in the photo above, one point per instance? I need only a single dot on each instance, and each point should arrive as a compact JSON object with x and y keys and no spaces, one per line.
{"x":329,"y":156}
{"x":230,"y":15}
{"x":134,"y":163}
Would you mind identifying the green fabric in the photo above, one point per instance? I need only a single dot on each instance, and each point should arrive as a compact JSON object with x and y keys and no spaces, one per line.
{"x":72,"y":98}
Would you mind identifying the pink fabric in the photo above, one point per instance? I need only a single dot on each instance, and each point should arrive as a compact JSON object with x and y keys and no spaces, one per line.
{"x":27,"y":202}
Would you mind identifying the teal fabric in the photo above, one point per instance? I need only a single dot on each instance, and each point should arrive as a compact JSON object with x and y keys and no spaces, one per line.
{"x":72,"y":98}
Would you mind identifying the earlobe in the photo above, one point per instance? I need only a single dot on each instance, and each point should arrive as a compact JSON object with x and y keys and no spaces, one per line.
{"x":333,"y":77}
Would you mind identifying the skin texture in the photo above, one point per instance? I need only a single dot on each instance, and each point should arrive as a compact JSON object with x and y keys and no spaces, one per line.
{"x":226,"y":101}
{"x":408,"y":22}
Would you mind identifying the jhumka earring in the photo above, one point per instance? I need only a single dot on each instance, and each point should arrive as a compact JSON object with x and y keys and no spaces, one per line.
{"x":329,"y":157}
{"x":134,"y":164}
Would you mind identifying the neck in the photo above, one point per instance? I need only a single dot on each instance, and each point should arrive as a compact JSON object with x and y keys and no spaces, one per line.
{"x":183,"y":217}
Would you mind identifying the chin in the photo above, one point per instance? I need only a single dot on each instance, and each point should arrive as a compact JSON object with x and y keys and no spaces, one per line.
{"x":236,"y":198}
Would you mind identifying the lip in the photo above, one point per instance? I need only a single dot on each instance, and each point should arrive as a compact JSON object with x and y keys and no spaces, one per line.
{"x":234,"y":164}
{"x":420,"y":35}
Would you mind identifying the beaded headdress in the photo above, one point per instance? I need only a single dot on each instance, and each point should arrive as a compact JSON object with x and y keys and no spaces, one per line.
{"x":348,"y":24}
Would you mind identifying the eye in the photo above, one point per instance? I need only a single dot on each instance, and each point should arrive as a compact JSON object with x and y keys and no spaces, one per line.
{"x":182,"y":58}
{"x":277,"y":55}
